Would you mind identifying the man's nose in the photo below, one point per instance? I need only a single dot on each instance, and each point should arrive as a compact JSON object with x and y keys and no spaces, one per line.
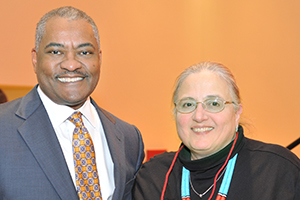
{"x":71,"y":62}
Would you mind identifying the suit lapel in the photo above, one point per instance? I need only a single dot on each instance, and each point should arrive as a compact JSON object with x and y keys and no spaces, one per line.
{"x":116,"y":147}
{"x":41,"y":139}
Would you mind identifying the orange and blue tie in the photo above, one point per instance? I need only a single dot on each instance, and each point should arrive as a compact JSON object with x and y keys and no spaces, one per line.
{"x":87,"y":180}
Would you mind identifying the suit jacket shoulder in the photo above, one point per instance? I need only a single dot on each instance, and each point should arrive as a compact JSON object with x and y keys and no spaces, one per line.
{"x":32,"y":163}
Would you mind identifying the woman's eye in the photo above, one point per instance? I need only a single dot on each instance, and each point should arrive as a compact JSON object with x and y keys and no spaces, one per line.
{"x":188,"y":104}
{"x":215,"y":104}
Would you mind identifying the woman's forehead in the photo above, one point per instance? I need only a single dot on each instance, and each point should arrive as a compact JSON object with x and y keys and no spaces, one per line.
{"x":202,"y":84}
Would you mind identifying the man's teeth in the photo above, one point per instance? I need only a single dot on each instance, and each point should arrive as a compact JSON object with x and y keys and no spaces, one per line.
{"x":70,"y":80}
{"x":202,"y":129}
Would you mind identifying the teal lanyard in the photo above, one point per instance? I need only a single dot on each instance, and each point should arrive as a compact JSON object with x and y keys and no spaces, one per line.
{"x":185,"y":185}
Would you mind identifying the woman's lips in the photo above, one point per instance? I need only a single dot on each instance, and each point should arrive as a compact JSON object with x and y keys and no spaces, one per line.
{"x":201,"y":129}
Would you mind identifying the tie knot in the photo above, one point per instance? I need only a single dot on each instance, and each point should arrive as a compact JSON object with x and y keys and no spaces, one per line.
{"x":76,"y":119}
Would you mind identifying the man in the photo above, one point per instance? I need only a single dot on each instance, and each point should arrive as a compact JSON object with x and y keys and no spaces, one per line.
{"x":3,"y":97}
{"x":38,"y":142}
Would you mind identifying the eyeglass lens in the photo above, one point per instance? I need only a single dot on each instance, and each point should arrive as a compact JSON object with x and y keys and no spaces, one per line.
{"x":212,"y":104}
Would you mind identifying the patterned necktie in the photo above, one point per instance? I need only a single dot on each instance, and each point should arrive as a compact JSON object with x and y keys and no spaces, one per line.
{"x":87,"y":181}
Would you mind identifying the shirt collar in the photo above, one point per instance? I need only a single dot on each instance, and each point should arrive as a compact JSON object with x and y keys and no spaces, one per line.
{"x":87,"y":109}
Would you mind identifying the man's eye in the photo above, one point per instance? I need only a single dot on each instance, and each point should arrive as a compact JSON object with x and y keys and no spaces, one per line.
{"x":86,"y":53}
{"x":55,"y":52}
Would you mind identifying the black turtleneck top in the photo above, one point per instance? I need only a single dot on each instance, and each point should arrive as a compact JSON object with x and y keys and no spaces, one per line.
{"x":262,"y":171}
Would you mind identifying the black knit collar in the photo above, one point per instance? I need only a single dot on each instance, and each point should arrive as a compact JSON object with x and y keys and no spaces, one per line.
{"x":212,"y":161}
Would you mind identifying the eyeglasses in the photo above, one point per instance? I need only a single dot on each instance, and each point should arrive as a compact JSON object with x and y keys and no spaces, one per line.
{"x":212,"y":104}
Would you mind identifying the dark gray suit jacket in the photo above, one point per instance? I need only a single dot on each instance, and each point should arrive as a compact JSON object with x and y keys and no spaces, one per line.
{"x":32,"y":165}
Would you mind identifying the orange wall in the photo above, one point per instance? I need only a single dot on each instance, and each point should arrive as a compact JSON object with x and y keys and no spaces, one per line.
{"x":147,"y":43}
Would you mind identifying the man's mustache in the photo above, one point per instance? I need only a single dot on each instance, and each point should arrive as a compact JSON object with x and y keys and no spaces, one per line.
{"x":72,"y":73}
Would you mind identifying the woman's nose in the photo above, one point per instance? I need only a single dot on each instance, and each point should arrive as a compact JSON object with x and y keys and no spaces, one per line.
{"x":200,"y":114}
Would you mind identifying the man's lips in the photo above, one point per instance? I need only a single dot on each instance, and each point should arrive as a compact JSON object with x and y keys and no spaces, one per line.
{"x":70,"y":79}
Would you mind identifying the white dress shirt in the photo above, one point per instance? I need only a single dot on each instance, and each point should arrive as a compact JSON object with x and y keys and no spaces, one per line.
{"x":58,"y":115}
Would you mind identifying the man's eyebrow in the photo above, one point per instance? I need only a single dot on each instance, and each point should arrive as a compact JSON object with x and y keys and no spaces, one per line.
{"x":85,"y":45}
{"x":52,"y":44}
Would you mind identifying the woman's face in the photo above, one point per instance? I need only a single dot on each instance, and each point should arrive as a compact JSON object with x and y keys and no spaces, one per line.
{"x":206,"y":133}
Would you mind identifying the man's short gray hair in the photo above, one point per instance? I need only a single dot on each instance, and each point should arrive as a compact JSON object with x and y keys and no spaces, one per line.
{"x":65,"y":12}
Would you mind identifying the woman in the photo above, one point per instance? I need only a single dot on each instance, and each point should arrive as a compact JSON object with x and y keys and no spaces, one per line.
{"x":215,"y":160}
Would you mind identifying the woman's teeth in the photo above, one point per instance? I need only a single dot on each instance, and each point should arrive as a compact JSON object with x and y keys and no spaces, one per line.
{"x":202,"y":129}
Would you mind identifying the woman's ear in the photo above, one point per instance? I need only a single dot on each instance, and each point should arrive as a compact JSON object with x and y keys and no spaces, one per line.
{"x":238,"y":114}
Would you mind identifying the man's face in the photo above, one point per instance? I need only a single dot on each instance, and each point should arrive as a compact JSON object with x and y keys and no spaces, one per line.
{"x":68,"y":62}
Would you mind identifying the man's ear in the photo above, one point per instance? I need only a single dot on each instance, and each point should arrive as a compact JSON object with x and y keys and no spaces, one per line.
{"x":34,"y":59}
{"x":100,"y":57}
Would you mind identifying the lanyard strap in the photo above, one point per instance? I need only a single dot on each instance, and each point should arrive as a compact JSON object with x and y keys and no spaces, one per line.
{"x":185,"y":185}
{"x":222,"y":194}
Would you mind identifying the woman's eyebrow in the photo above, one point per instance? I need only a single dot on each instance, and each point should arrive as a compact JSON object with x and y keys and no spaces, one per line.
{"x":212,"y":96}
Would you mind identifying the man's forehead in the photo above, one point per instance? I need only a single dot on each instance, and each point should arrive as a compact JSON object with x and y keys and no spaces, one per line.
{"x":59,"y":27}
{"x":60,"y":31}
{"x":64,"y":20}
